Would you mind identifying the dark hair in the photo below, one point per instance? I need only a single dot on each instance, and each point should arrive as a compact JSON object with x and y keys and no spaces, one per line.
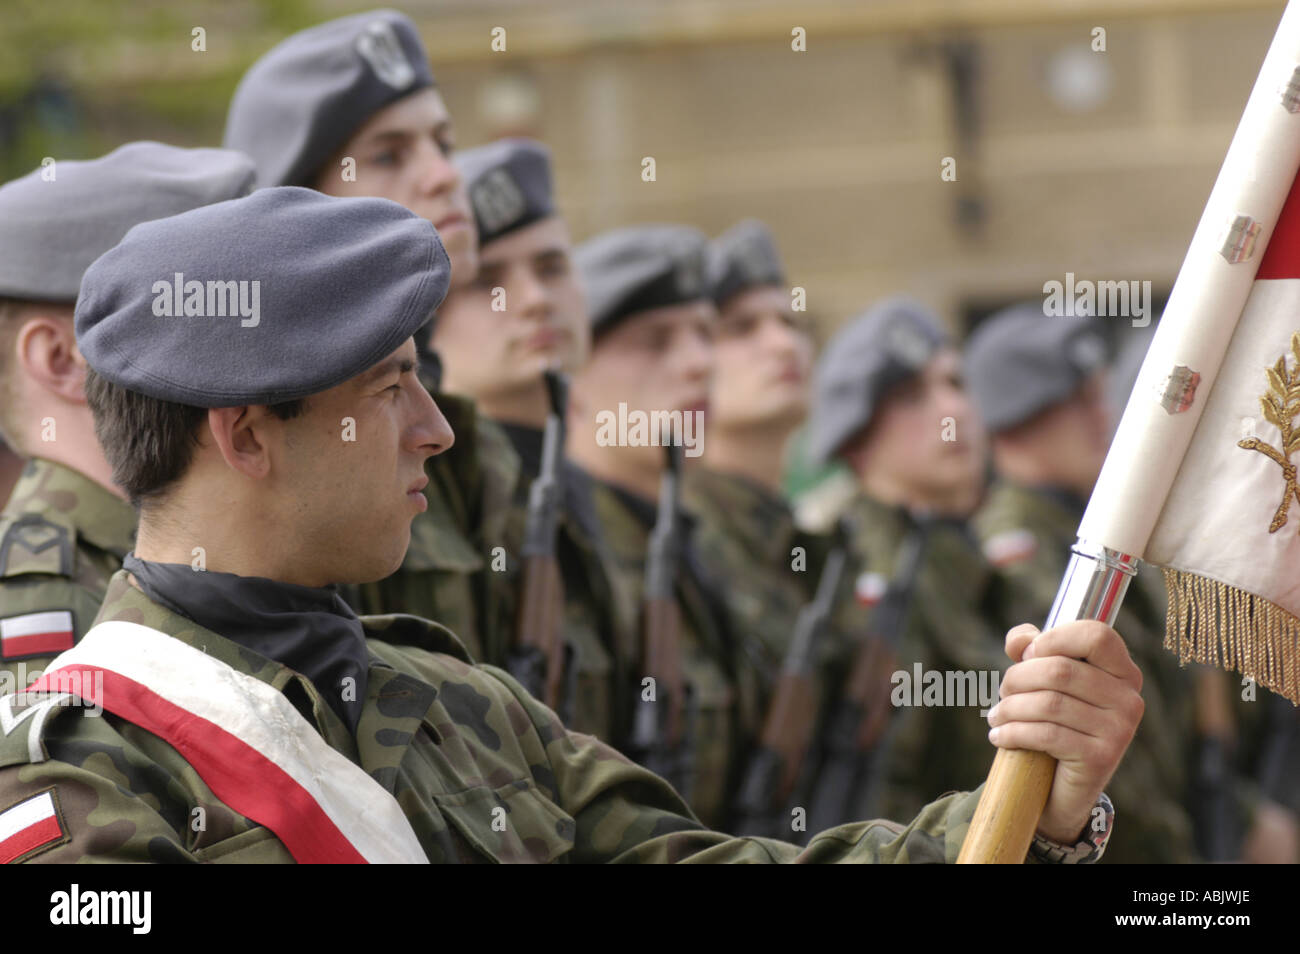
{"x":149,"y":443}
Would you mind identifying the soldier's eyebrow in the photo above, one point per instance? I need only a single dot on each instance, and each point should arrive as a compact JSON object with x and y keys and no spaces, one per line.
{"x":396,"y":365}
{"x":399,"y":135}
{"x":388,"y":136}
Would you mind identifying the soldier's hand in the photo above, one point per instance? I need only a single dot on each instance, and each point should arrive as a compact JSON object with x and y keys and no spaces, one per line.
{"x":1075,"y":694}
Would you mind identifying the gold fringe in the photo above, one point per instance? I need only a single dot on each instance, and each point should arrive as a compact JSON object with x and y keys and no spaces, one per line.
{"x":1219,"y":625}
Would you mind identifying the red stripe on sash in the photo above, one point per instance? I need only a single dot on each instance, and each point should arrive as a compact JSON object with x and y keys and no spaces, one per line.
{"x":237,"y":773}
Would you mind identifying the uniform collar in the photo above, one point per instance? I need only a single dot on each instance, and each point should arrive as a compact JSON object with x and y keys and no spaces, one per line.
{"x":396,"y":703}
{"x":645,"y":512}
{"x":69,"y":498}
{"x":309,"y":629}
{"x":527,"y":442}
{"x":760,"y":519}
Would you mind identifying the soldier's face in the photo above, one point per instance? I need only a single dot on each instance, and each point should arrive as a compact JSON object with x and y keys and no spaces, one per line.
{"x":523,"y":313}
{"x":763,"y":362}
{"x":1074,"y":436}
{"x":927,"y":437}
{"x":403,"y":153}
{"x":658,"y":360}
{"x":353,"y":465}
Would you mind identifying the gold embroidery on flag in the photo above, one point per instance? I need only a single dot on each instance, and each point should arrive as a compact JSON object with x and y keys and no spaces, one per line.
{"x":1219,"y":625}
{"x":1280,"y":406}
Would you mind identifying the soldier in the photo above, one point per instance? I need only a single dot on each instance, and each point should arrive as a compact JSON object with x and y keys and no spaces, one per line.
{"x":745,"y":529}
{"x":350,"y":108}
{"x":652,"y":324}
{"x":523,"y":314}
{"x":248,"y":715}
{"x":1040,"y":387}
{"x":889,"y":402}
{"x":66,"y":526}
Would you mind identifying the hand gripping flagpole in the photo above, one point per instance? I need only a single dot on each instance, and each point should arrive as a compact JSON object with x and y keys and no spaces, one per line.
{"x":1181,"y":366}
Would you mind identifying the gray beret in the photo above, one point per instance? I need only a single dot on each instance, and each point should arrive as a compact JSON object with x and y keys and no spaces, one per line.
{"x":268,"y":298}
{"x":51,"y":230}
{"x":641,"y":267}
{"x":304,"y":99}
{"x":889,"y":343}
{"x":509,"y":185}
{"x":746,"y":258}
{"x":1019,"y":362}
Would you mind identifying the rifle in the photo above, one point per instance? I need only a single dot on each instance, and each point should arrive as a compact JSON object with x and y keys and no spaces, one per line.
{"x":855,"y":739}
{"x":658,"y":730}
{"x":788,"y":728}
{"x":538,"y":658}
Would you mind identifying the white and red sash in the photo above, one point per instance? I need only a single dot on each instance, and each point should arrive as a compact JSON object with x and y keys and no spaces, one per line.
{"x":244,"y":738}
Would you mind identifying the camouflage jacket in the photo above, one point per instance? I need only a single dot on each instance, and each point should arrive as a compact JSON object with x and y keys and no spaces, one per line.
{"x":61,"y":537}
{"x":598,"y":617}
{"x":1029,"y":532}
{"x":453,"y":569}
{"x":451,"y":741}
{"x":747,"y":537}
{"x":725,"y":693}
{"x":953,"y":637}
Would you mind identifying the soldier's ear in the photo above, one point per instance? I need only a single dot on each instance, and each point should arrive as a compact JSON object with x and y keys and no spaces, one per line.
{"x":46,"y":349}
{"x":239,"y":438}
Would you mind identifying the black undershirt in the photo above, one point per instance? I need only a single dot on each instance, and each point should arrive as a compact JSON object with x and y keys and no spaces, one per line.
{"x":311,"y":630}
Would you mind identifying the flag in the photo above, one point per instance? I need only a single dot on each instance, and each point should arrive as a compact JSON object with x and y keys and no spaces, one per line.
{"x":1195,"y":463}
{"x":1228,"y":537}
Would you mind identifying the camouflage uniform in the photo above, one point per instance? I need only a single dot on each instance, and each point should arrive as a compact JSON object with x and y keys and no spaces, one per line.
{"x":450,"y":573}
{"x":61,"y":537}
{"x":449,"y":740}
{"x":598,"y":616}
{"x":1030,"y":532}
{"x":746,"y":535}
{"x":725,"y":691}
{"x":957,"y":620}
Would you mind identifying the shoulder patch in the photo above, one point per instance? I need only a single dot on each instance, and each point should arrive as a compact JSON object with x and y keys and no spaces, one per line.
{"x":1010,"y":546}
{"x":33,"y":825}
{"x":32,"y":544}
{"x":23,"y":716}
{"x":36,"y":634}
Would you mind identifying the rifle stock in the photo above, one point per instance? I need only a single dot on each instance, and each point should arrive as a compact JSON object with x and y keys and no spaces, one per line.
{"x":857,"y":736}
{"x":658,"y":727}
{"x":538,"y":656}
{"x":788,"y":728}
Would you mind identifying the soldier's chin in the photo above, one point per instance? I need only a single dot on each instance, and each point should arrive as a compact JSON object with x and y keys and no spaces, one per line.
{"x":463,"y":254}
{"x":370,"y":568}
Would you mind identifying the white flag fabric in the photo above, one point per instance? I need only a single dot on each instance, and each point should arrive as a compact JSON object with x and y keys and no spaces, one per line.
{"x":1228,"y":536}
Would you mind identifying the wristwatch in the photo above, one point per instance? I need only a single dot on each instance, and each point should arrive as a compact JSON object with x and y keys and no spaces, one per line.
{"x":1088,"y":849}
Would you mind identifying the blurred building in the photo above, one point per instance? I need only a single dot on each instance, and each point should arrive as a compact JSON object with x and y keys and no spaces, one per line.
{"x":1068,"y":158}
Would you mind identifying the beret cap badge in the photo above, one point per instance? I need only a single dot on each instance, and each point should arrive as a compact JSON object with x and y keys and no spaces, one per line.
{"x":498,"y":201}
{"x":688,"y":271}
{"x":1087,"y":352}
{"x":379,"y":46}
{"x":908,"y":346}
